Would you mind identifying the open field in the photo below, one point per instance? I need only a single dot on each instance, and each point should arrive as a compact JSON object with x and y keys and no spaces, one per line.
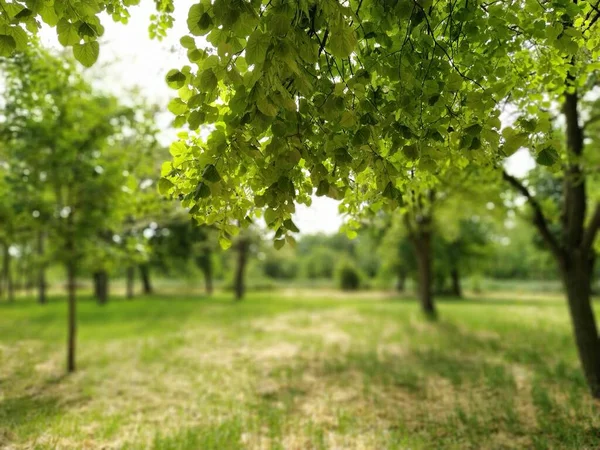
{"x":291,"y":372}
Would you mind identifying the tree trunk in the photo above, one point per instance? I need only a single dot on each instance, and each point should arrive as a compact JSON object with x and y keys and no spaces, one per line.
{"x":242,"y":259}
{"x":401,"y":281}
{"x":130,"y":282}
{"x":41,"y":281}
{"x":101,"y":286}
{"x":422,"y":245}
{"x":208,"y":280}
{"x":205,"y":263}
{"x":576,"y":278}
{"x":145,"y":275}
{"x":72,"y":316}
{"x":456,"y":287}
{"x":10,"y":288}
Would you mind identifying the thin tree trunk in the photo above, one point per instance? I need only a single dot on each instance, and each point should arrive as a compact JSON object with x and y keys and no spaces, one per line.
{"x":242,"y":259}
{"x":130,"y":282}
{"x":101,"y":286}
{"x":10,"y":288}
{"x":456,"y":287}
{"x":208,"y":280}
{"x":205,"y":264}
{"x":145,"y":275}
{"x":576,"y":278}
{"x":422,"y":246}
{"x":72,"y":305}
{"x":401,"y":281}
{"x":41,"y":282}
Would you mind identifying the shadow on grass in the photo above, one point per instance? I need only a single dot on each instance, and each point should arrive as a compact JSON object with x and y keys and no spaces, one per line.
{"x":28,"y":409}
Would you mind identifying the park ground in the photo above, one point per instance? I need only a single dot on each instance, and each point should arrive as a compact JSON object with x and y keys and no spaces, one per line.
{"x":294,"y":371}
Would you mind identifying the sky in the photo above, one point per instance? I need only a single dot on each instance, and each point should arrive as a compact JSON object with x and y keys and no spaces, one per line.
{"x":128,"y":59}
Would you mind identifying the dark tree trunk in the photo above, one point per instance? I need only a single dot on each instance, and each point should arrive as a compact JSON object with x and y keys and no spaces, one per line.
{"x":21,"y":273}
{"x":240,"y":270}
{"x":401,"y":281}
{"x":423,"y":253}
{"x":72,"y":316}
{"x":208,"y":279}
{"x":577,"y":250}
{"x":456,"y":287}
{"x":101,"y":286}
{"x":41,"y":279}
{"x":204,"y":261}
{"x":10,"y":288}
{"x":145,"y":276}
{"x":130,"y":282}
{"x":573,"y":247}
{"x":576,"y":278}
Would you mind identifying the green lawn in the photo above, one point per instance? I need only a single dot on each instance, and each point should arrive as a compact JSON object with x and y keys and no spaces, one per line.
{"x":293,"y":373}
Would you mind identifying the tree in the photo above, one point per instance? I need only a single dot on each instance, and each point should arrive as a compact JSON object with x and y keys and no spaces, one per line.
{"x":77,"y":170}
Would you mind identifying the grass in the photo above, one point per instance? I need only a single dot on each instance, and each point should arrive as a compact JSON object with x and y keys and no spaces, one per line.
{"x":290,"y":372}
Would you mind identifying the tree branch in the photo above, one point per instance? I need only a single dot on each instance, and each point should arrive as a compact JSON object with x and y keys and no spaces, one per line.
{"x":539,"y":220}
{"x":591,"y":231}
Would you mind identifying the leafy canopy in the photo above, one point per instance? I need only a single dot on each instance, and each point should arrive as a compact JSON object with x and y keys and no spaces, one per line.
{"x":358,"y":100}
{"x":349,"y":99}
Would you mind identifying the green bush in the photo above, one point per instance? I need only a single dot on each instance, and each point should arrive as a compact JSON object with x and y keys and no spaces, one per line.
{"x":348,"y":276}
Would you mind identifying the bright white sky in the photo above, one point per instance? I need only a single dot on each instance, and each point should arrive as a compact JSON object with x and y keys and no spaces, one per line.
{"x":128,"y":58}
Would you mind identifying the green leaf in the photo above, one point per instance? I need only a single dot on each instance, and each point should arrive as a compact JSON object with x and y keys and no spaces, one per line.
{"x":342,"y":42}
{"x":290,"y":240}
{"x":271,"y":216}
{"x":7,"y":45}
{"x":85,"y":29}
{"x":362,"y":136}
{"x":323,"y":188}
{"x":348,"y":119}
{"x":188,"y":42}
{"x":266,"y":107}
{"x":202,"y":191}
{"x":547,"y":157}
{"x":87,"y":53}
{"x":411,"y":151}
{"x":205,"y":23}
{"x":278,"y":243}
{"x":513,"y":140}
{"x":256,"y":48}
{"x":195,"y":119}
{"x":208,"y":81}
{"x":67,"y":33}
{"x":224,"y":242}
{"x":211,"y":174}
{"x":175,"y":79}
{"x":193,"y":21}
{"x":290,"y":225}
{"x":177,"y":106}
{"x":164,"y":186}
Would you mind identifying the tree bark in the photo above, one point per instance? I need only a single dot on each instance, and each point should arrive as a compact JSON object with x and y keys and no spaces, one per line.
{"x":41,"y":281}
{"x":573,"y":248}
{"x":145,"y":276}
{"x":456,"y":287}
{"x":130,"y":282}
{"x":242,"y":259}
{"x":72,"y":304}
{"x":101,"y":286}
{"x":401,"y":281}
{"x":10,"y":288}
{"x":208,"y":279}
{"x":576,"y":278}
{"x":204,"y":261}
{"x":422,"y":244}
